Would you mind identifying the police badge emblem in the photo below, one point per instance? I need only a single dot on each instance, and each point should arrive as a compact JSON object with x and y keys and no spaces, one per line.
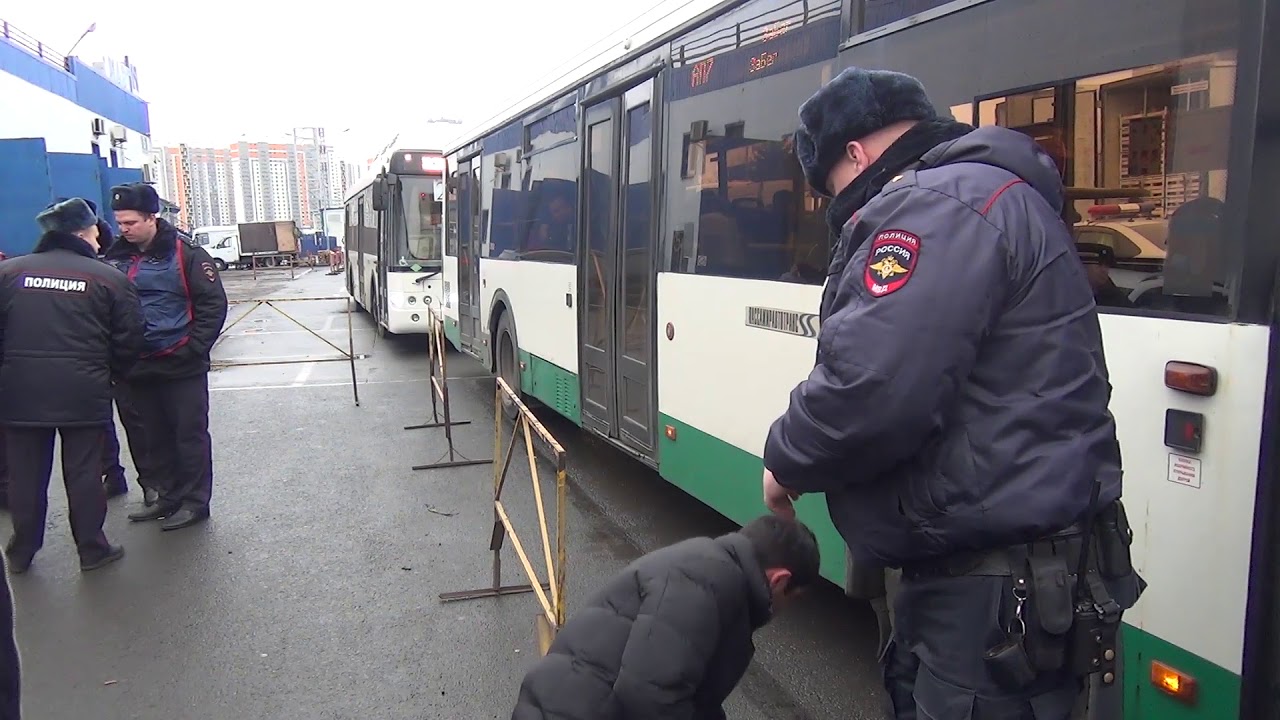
{"x":891,"y":261}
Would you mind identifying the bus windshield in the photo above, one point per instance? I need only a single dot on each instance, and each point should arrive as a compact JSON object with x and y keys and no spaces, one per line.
{"x":419,"y":225}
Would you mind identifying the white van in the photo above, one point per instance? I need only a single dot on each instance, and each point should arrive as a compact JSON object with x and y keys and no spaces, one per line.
{"x":222,"y":242}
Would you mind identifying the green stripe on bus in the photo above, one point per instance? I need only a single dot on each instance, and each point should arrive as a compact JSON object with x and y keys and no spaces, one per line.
{"x":1217,"y":689}
{"x":452,"y":333}
{"x":728,"y":479}
{"x":552,"y":385}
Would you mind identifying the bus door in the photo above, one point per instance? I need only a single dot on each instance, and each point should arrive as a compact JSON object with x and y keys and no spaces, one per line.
{"x":362,"y":243}
{"x":468,"y":254}
{"x":390,"y":224}
{"x":615,"y":269}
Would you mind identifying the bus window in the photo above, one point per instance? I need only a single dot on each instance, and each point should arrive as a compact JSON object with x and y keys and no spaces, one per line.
{"x":878,"y":13}
{"x":538,"y":221}
{"x":1143,"y":153}
{"x":740,"y":206}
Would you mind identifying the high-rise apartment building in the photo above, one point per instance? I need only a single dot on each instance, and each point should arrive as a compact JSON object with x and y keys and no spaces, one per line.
{"x":256,"y":181}
{"x":200,"y":181}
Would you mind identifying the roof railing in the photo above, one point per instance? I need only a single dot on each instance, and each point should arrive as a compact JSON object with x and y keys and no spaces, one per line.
{"x":32,"y":46}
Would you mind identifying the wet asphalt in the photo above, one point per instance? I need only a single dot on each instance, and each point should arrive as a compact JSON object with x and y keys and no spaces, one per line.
{"x":312,"y":592}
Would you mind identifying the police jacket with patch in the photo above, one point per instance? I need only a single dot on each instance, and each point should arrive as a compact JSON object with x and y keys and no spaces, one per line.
{"x":68,"y":325}
{"x":183,"y":303}
{"x":959,"y":400}
{"x":668,"y":637}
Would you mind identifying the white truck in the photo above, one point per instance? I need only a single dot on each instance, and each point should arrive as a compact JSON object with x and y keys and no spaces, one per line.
{"x":238,"y":246}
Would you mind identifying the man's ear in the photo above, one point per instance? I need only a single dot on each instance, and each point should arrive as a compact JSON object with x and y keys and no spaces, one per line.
{"x":779,"y":579}
{"x":856,"y":152}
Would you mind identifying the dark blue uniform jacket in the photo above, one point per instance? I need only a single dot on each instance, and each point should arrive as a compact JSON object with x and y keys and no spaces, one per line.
{"x":959,"y":400}
{"x":183,"y":303}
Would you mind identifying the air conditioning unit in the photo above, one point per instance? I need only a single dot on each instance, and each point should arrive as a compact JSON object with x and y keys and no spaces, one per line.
{"x":99,"y":127}
{"x":118,"y":135}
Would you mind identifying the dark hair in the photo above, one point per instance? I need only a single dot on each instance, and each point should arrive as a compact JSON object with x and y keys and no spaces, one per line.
{"x":787,"y":544}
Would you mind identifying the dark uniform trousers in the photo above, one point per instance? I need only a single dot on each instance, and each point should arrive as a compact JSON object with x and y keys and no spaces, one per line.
{"x":177,"y":452}
{"x":934,"y":667}
{"x":4,"y":469}
{"x":112,"y":470}
{"x":31,"y":463}
{"x":133,"y":430}
{"x":10,"y":672}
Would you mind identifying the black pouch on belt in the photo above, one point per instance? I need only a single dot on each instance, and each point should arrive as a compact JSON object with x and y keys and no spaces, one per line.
{"x":1051,"y":602}
{"x":1114,"y":537}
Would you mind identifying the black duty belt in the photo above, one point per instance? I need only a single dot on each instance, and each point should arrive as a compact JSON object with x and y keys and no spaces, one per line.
{"x":993,"y":563}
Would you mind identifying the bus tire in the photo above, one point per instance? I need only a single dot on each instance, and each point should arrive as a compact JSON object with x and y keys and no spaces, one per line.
{"x":507,"y":361}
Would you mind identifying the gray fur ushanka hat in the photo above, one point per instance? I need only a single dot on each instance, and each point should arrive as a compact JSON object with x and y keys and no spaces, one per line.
{"x":856,"y":103}
{"x":69,"y":216}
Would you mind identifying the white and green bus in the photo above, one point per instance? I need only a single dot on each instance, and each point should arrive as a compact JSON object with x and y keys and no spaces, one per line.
{"x":393,"y":228}
{"x":638,"y":252}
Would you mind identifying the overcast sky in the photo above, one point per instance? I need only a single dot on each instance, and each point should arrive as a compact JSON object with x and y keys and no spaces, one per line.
{"x":212,"y":72}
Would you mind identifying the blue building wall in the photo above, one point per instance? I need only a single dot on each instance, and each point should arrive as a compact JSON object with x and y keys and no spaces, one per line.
{"x":31,"y":178}
{"x":25,"y":188}
{"x":80,"y":84}
{"x":74,"y":175}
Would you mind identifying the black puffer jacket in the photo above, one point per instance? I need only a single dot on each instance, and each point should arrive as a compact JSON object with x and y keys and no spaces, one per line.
{"x":668,"y":637}
{"x":69,"y":323}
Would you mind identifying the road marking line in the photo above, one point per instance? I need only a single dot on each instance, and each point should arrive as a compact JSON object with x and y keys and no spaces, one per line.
{"x":303,"y":374}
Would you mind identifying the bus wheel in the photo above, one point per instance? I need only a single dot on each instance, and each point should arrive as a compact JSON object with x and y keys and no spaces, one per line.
{"x":508,"y":363}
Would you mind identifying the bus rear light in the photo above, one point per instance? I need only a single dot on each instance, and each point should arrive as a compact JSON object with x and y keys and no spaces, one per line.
{"x":1190,"y":378}
{"x":1173,"y":683}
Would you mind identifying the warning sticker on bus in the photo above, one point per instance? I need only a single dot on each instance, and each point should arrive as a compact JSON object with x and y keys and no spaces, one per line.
{"x":1184,"y":470}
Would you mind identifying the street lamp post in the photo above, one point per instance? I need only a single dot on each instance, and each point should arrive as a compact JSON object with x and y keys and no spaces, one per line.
{"x":91,"y":28}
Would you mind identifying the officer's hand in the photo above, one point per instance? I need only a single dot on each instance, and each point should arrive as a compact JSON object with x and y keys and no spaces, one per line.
{"x":777,"y":498}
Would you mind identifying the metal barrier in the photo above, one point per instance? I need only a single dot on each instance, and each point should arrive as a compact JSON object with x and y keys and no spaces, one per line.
{"x":441,"y":416}
{"x":552,"y":617}
{"x":348,"y":355}
{"x":255,"y":262}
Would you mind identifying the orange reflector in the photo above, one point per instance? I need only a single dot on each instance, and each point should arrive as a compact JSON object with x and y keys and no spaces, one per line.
{"x":1190,"y":378}
{"x":1173,"y":683}
{"x":671,"y":432}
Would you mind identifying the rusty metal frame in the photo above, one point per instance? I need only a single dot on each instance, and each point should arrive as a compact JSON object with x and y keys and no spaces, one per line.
{"x":441,"y":416}
{"x":348,"y":355}
{"x":552,"y":617}
{"x":253,"y":264}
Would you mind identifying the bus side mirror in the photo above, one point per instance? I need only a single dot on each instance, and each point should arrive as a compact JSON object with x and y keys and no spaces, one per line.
{"x":380,"y":194}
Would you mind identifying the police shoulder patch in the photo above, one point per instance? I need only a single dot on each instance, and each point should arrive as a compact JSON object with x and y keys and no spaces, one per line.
{"x":891,"y":261}
{"x":209,"y":273}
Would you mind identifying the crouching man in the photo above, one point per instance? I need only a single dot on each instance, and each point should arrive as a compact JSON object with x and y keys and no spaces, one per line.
{"x":670,"y":635}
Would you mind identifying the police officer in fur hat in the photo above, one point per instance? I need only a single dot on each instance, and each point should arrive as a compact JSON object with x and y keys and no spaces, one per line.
{"x":70,"y":324}
{"x":956,"y":419}
{"x":113,"y":473}
{"x":168,"y":389}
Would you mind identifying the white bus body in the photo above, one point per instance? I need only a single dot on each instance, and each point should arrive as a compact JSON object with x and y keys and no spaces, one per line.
{"x":638,"y":251}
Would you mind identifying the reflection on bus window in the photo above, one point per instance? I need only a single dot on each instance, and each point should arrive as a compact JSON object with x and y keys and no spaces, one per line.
{"x":420,"y":226}
{"x":743,"y":202}
{"x":878,"y":13}
{"x":1143,"y":154}
{"x":537,"y":219}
